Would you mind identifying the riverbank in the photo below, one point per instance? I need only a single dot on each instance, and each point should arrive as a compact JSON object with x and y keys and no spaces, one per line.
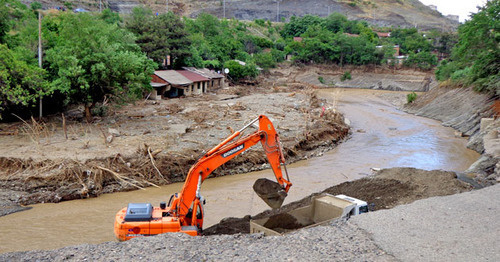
{"x":471,"y":114}
{"x":155,"y":143}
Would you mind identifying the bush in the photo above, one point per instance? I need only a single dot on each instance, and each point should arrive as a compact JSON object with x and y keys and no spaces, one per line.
{"x":411,"y":97}
{"x":238,"y":71}
{"x":321,"y":79}
{"x":346,"y":76}
{"x":260,"y":22}
{"x":265,"y":60}
{"x":423,"y":60}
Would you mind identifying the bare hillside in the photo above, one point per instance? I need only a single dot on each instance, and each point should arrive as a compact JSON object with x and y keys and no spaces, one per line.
{"x":403,"y":13}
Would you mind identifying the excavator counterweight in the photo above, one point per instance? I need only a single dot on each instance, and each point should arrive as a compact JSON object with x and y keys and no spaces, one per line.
{"x":184,"y":212}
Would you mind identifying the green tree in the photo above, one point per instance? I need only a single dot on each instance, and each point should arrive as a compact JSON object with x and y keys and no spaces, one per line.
{"x":299,"y":25}
{"x":21,"y":84}
{"x":238,"y":71}
{"x":4,"y":22}
{"x":159,"y":36}
{"x":478,"y":48}
{"x":422,"y":60}
{"x":110,"y":17}
{"x":92,"y":59}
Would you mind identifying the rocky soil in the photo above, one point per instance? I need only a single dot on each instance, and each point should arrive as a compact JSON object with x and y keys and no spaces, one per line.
{"x":385,"y":13}
{"x":369,"y":77}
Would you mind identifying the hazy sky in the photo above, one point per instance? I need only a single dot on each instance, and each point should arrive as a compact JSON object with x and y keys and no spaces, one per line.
{"x":456,"y":7}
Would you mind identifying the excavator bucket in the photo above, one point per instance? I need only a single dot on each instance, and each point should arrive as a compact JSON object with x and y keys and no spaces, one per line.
{"x":271,"y":192}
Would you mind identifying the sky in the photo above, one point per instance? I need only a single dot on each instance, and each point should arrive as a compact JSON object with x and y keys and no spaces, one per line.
{"x":456,"y":7}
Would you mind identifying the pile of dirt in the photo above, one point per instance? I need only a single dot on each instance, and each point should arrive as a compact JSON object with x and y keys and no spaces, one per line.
{"x":386,"y":189}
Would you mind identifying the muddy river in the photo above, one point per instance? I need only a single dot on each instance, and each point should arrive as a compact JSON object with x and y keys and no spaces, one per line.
{"x":382,"y":137}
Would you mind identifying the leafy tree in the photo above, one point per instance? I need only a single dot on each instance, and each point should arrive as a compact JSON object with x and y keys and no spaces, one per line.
{"x":297,"y":26}
{"x":478,"y":48}
{"x":110,"y":17}
{"x":238,"y":71}
{"x":336,"y":22}
{"x":265,"y":60}
{"x":422,"y":60}
{"x":21,"y":84}
{"x":92,"y":59}
{"x":36,"y":6}
{"x":410,"y":40}
{"x":159,"y":36}
{"x":4,"y":22}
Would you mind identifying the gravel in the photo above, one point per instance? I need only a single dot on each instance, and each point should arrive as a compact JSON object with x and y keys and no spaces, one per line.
{"x":462,"y":227}
{"x":340,"y":241}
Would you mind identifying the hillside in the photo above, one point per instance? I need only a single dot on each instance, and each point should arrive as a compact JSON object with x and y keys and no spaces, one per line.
{"x":403,"y":13}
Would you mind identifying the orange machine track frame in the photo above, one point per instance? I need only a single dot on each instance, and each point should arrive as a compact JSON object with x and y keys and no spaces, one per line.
{"x":184,"y":212}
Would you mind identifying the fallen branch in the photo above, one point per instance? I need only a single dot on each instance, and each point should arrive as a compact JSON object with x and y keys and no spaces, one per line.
{"x":154,"y":165}
{"x":119,"y":177}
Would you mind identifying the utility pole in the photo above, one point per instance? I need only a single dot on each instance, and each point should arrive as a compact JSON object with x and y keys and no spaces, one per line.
{"x":40,"y":53}
{"x":100,"y":6}
{"x":224,"y":7}
{"x":328,"y":10}
{"x":277,"y":11}
{"x":167,"y":6}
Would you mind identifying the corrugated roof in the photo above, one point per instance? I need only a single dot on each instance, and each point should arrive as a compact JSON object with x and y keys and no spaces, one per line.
{"x":173,"y":77}
{"x":192,"y":76}
{"x":204,"y":72}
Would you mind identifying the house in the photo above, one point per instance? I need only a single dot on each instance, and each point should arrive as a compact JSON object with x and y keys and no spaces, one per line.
{"x":351,"y":35}
{"x":216,"y":80}
{"x":187,"y":82}
{"x":200,"y":83}
{"x":297,"y":39}
{"x":169,"y":83}
{"x":433,"y":7}
{"x":383,"y":35}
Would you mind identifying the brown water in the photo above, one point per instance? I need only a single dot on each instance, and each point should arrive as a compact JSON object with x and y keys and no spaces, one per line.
{"x":387,"y":138}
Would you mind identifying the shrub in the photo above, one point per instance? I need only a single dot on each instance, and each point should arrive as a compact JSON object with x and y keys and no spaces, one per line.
{"x":346,"y":76}
{"x":238,"y":71}
{"x":260,"y":22}
{"x":411,"y":97}
{"x":265,"y":60}
{"x":321,"y":79}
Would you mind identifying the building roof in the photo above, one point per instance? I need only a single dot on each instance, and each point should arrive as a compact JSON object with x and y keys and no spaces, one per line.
{"x":204,"y":72}
{"x":173,"y":77}
{"x":192,"y":76}
{"x":382,"y":34}
{"x":353,"y":35}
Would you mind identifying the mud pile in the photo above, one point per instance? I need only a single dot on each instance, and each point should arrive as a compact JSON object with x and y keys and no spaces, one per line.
{"x":387,"y":189}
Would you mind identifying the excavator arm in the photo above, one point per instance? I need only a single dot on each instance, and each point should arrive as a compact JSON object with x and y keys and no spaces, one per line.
{"x":227,"y":150}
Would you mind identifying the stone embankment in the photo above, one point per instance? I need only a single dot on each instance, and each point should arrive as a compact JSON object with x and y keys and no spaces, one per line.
{"x":471,"y":114}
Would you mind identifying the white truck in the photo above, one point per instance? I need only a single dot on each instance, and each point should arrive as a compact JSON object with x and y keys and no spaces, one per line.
{"x":323,"y":209}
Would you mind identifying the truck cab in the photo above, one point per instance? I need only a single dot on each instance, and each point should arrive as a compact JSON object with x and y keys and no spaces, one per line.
{"x":360,"y":207}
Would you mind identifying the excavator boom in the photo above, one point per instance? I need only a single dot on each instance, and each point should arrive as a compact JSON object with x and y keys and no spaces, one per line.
{"x":184,"y":211}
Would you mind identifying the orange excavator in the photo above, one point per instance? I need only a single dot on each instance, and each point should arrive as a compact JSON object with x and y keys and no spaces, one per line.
{"x":184,"y":212}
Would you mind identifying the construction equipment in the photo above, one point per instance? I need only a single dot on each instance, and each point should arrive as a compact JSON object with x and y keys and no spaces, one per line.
{"x":184,"y":212}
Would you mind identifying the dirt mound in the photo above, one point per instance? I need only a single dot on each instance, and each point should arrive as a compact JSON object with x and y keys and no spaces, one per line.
{"x":387,"y":189}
